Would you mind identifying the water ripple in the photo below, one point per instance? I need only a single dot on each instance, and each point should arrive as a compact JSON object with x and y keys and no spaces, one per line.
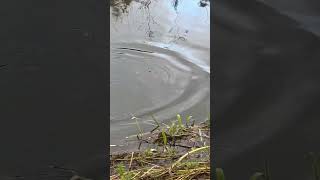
{"x":153,"y":80}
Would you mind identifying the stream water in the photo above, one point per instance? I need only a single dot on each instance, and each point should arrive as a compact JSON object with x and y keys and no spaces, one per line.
{"x":160,"y":63}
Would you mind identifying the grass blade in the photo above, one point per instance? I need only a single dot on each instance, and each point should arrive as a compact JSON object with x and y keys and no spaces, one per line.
{"x":220,"y":174}
{"x":179,"y":120}
{"x":158,"y":125}
{"x":188,"y":120}
{"x":164,"y":137}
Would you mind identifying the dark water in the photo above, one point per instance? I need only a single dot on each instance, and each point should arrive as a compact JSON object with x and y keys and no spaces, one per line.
{"x":53,"y":89}
{"x":267,"y":86}
{"x":160,"y":63}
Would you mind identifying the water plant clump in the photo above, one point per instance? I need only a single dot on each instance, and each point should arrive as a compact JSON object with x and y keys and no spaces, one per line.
{"x":180,"y":150}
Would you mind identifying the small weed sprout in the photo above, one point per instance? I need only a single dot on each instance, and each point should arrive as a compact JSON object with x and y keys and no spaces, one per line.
{"x":188,"y":120}
{"x":164,"y":137}
{"x":179,"y":121}
{"x":123,"y":174}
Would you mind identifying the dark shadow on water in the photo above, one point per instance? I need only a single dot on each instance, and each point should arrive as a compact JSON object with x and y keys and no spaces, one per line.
{"x":267,"y":87}
{"x":53,"y":89}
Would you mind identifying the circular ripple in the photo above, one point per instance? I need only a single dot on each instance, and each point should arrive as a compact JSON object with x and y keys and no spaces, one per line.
{"x":152,"y":80}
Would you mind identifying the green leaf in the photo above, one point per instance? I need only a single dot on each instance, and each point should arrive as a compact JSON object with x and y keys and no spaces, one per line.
{"x":164,"y":137}
{"x":179,"y":120}
{"x":120,"y":168}
{"x":172,"y":129}
{"x":220,"y":174}
{"x":188,"y":120}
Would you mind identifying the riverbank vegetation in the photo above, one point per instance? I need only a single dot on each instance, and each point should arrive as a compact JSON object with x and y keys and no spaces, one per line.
{"x":179,"y":150}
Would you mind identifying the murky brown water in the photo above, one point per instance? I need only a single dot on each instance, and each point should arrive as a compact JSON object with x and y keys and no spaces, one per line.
{"x":160,"y":63}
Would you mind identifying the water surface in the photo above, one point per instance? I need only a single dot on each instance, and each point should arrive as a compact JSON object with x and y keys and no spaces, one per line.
{"x":159,"y":65}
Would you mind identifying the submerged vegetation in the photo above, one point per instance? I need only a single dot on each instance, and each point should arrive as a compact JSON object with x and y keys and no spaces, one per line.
{"x":180,"y":151}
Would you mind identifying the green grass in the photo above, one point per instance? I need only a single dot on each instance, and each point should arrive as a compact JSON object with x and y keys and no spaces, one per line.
{"x":176,"y":152}
{"x":171,"y":155}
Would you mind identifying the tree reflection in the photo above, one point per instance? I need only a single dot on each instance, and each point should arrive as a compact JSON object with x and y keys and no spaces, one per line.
{"x":204,"y":3}
{"x":149,"y":24}
{"x":119,"y":7}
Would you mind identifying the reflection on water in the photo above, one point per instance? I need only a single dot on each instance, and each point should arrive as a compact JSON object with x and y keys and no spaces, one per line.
{"x":119,"y":7}
{"x":159,"y":62}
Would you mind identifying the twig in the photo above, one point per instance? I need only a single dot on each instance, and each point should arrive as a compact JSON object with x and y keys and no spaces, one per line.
{"x":188,"y":153}
{"x":131,"y":160}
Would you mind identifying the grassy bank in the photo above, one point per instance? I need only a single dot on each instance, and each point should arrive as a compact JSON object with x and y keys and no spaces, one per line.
{"x":178,"y":150}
